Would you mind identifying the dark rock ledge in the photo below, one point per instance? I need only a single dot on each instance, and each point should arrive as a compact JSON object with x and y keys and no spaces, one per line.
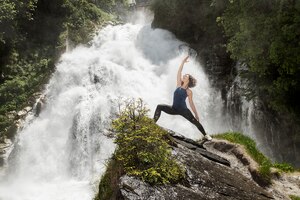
{"x":208,"y":176}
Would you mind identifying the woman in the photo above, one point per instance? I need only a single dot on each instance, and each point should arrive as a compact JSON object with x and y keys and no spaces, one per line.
{"x":179,"y":106}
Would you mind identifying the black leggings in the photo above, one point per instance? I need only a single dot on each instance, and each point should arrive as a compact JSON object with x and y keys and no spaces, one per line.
{"x":186,"y":113}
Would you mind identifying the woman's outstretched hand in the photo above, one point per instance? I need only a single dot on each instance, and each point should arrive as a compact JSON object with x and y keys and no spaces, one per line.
{"x":186,"y":59}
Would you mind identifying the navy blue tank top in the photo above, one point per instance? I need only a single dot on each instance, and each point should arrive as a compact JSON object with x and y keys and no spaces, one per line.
{"x":179,"y":99}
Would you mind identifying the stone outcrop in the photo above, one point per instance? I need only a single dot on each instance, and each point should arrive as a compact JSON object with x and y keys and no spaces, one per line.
{"x":212,"y":172}
{"x":240,"y":154}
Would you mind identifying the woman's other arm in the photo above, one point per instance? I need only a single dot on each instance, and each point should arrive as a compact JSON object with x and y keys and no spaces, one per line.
{"x":191,"y":102}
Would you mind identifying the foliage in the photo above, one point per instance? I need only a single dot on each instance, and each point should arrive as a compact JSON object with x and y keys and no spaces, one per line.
{"x":285,"y":167}
{"x":142,"y":146}
{"x":109,"y":180}
{"x":106,"y":5}
{"x":32,"y":36}
{"x":4,"y":123}
{"x":265,"y":36}
{"x":293,"y":197}
{"x":10,"y":11}
{"x":82,"y":19}
{"x":15,"y":92}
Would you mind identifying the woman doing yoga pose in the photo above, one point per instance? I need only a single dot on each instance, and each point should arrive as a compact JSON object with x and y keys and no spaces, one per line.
{"x":184,"y":83}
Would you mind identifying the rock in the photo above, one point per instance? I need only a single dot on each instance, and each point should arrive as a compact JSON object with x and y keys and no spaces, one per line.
{"x":191,"y":144}
{"x":241,"y":161}
{"x":1,"y":161}
{"x":182,"y":138}
{"x":28,"y":108}
{"x":203,"y":152}
{"x":5,"y":149}
{"x":21,"y":113}
{"x":289,"y":183}
{"x":240,"y":153}
{"x":11,"y":131}
{"x":205,"y":180}
{"x":11,"y":114}
{"x":208,"y":176}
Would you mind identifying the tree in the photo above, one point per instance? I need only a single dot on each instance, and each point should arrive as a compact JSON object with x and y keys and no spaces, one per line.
{"x":265,"y":37}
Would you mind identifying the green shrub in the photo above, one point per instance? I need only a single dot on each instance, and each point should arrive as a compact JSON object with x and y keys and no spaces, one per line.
{"x":142,"y":146}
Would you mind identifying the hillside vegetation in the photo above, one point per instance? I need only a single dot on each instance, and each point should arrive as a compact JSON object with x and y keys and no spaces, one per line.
{"x":33,"y":35}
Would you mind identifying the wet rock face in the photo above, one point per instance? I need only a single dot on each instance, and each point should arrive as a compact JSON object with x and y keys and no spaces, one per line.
{"x":207,"y":177}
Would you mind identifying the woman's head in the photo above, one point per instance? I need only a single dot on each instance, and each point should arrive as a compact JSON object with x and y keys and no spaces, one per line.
{"x":190,"y":80}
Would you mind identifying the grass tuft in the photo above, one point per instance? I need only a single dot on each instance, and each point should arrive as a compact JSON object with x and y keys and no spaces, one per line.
{"x":293,"y":197}
{"x":264,"y":163}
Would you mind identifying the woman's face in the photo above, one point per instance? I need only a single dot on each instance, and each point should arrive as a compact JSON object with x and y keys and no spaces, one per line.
{"x":186,"y":78}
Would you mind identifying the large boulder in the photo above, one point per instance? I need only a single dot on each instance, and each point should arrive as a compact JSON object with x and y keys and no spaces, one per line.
{"x":208,"y":176}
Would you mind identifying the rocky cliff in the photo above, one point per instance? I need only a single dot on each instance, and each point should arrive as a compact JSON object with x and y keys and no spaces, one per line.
{"x":214,"y":170}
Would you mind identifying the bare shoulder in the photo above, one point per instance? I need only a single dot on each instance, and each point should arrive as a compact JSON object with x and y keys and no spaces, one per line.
{"x":189,"y":92}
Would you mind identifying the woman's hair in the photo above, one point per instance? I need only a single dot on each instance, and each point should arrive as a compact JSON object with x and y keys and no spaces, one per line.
{"x":192,"y":81}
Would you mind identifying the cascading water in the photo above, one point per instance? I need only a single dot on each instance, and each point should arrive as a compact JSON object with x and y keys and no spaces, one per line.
{"x":273,"y":136}
{"x":62,"y":153}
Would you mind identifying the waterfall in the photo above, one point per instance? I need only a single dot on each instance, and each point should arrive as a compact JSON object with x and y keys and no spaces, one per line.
{"x":61,"y":154}
{"x":274,"y":136}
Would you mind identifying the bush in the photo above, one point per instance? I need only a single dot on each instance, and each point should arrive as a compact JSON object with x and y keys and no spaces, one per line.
{"x":142,"y":146}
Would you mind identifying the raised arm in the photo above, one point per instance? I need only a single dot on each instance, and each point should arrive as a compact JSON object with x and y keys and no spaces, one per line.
{"x":179,"y":73}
